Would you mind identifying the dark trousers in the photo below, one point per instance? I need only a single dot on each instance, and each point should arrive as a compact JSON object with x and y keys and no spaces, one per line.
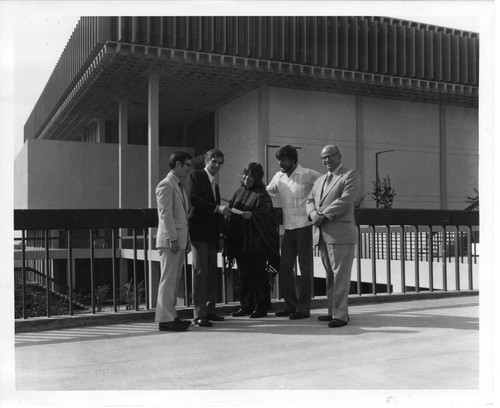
{"x":297,"y":292}
{"x":204,"y":278}
{"x":254,"y":287}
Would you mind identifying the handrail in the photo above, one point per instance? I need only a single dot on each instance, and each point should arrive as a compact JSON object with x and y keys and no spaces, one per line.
{"x":408,"y":237}
{"x":148,"y":217}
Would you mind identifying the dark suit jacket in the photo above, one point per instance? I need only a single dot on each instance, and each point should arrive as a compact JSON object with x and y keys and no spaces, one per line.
{"x":204,"y":223}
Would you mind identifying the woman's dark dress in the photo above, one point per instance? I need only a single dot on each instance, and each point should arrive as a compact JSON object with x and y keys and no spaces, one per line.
{"x":254,"y":244}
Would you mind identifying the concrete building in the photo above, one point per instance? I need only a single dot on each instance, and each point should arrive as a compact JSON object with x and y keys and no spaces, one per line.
{"x":127,"y":91}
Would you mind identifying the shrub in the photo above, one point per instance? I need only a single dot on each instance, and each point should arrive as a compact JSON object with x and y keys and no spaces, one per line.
{"x":386,"y":193}
{"x":36,"y":302}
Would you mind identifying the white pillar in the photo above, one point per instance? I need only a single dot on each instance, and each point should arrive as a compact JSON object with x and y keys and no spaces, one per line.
{"x":122,"y":142}
{"x":153,"y":138}
{"x":101,"y":131}
{"x":153,"y":171}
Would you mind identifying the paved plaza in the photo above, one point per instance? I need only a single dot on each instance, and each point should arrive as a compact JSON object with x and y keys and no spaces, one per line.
{"x":428,"y":344}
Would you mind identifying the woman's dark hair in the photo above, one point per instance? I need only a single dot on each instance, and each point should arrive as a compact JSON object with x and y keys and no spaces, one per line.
{"x":256,"y":171}
{"x":288,"y":152}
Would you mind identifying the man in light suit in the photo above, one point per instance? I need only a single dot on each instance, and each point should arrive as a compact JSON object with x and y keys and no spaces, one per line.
{"x":206,"y":217}
{"x":331,"y":208}
{"x":172,"y":240}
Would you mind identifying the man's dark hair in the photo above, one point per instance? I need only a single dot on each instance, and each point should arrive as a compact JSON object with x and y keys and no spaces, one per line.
{"x":289,"y":152}
{"x":178,"y":156}
{"x":213,"y":153}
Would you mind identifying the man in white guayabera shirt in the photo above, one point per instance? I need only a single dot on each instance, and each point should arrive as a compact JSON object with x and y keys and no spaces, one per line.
{"x":293,"y":185}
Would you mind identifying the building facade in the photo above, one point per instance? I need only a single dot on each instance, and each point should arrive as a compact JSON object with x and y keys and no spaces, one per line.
{"x":128,"y":91}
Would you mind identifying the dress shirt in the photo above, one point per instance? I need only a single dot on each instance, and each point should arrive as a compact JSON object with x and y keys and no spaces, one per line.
{"x":212,"y":181}
{"x":328,"y":179}
{"x":293,"y":192}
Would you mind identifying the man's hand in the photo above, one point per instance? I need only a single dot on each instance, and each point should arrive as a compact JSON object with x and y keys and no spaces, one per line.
{"x":224,"y":210}
{"x":318,"y":219}
{"x":173,"y":245}
{"x":246,"y":215}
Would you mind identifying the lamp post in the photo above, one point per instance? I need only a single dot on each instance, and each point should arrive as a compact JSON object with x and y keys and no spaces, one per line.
{"x":377,"y":182}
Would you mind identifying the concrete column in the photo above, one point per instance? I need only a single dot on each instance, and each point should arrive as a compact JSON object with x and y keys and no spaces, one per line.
{"x":101,"y":131}
{"x":154,"y":280}
{"x":122,"y":143}
{"x":153,"y":171}
{"x":122,"y":276}
{"x":153,"y":138}
{"x":442,"y":158}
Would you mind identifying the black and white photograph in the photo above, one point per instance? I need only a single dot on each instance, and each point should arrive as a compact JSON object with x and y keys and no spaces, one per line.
{"x":249,"y":203}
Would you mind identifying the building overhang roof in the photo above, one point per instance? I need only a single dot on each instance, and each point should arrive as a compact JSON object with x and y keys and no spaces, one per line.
{"x":193,"y":84}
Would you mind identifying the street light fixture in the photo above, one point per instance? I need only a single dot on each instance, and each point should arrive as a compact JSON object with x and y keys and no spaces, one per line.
{"x":377,"y":182}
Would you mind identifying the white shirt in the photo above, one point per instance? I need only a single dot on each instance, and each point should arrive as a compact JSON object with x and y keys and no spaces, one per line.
{"x":212,"y":182}
{"x":293,"y":192}
{"x":210,"y":177}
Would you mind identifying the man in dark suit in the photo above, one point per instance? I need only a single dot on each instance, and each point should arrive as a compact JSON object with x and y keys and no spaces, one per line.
{"x":205,"y":217}
{"x":330,"y":207}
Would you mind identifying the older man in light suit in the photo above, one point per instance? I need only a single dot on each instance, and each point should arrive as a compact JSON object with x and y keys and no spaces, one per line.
{"x":331,"y":208}
{"x":172,"y":240}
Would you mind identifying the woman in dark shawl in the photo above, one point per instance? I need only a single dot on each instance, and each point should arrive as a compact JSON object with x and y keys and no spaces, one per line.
{"x":252,"y":239}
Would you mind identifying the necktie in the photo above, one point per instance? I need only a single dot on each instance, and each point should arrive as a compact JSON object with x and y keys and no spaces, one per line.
{"x":326,"y":183}
{"x":182,"y":195}
{"x":213,"y":188}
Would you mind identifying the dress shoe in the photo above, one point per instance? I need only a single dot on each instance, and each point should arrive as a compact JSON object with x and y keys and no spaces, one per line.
{"x":337,"y":323}
{"x":257,"y":315}
{"x":203,"y":322}
{"x":172,"y":326}
{"x":325,"y":318}
{"x":214,"y":317}
{"x":240,"y":312}
{"x":298,"y":315}
{"x":185,"y":322}
{"x":284,"y":313}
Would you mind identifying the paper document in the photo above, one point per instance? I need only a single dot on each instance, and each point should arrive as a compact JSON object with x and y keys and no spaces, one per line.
{"x":236,"y":211}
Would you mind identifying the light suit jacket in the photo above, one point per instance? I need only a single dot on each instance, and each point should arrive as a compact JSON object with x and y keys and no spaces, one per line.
{"x":337,"y":204}
{"x":172,"y":213}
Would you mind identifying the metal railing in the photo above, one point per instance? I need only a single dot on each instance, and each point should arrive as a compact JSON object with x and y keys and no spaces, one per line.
{"x":393,"y":245}
{"x":423,"y":237}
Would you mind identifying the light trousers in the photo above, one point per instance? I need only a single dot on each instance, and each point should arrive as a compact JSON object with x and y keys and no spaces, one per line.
{"x":171,"y":272}
{"x":337,"y":260}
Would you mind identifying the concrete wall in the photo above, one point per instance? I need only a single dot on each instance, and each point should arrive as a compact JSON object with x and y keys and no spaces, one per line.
{"x":413,"y":131}
{"x":238,"y":135}
{"x":435,"y":158}
{"x":21,"y":180}
{"x":462,"y":158}
{"x":71,"y":175}
{"x":360,"y":126}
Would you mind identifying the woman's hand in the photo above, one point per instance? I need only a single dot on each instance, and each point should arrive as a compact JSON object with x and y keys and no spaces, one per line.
{"x":246,"y":215}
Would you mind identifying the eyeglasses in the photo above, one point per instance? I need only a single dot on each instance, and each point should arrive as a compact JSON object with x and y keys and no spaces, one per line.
{"x":186,"y":163}
{"x":325,"y":158}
